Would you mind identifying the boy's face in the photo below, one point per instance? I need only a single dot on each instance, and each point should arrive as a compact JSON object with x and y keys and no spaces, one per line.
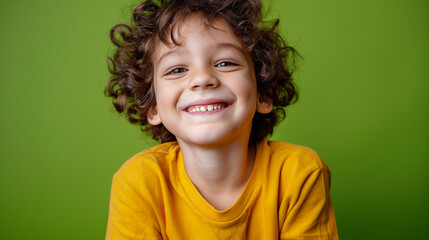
{"x":205,"y":88}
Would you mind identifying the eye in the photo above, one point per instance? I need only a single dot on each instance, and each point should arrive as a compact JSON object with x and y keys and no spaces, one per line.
{"x":177,"y":70}
{"x":226,"y":64}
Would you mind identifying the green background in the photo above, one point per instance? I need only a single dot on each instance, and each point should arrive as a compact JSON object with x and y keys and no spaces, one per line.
{"x":364,"y":107}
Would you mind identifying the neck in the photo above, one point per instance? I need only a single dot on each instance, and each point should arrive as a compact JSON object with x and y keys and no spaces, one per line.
{"x":220,"y":174}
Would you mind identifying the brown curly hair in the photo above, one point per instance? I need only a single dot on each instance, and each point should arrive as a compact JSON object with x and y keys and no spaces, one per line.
{"x":131,"y":83}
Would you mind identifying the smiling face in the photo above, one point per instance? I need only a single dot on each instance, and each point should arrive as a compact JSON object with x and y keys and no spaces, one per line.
{"x":205,"y":88}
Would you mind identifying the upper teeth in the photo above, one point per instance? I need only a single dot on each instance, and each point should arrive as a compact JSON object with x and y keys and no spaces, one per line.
{"x":206,"y":108}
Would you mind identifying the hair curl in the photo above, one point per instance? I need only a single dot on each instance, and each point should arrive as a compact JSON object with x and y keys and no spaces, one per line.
{"x":131,"y":83}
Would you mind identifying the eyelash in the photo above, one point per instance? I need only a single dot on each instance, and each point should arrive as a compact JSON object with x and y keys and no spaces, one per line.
{"x":182,"y":70}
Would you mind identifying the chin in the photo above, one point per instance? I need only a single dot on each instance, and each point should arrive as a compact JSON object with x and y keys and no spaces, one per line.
{"x":208,"y":139}
{"x":213,"y":137}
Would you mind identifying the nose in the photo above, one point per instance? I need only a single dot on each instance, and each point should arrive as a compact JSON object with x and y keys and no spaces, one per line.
{"x":203,"y":79}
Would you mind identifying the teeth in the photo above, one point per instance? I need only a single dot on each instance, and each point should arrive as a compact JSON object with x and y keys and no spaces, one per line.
{"x":206,"y":108}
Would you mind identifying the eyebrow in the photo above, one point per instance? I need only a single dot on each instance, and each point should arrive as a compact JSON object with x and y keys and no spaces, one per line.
{"x":218,"y":46}
{"x":237,"y":47}
{"x":164,"y":55}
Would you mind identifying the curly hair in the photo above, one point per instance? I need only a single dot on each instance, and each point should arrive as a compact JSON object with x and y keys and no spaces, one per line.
{"x":131,"y":84}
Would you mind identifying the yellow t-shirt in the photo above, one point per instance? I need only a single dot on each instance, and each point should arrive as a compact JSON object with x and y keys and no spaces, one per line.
{"x":286,"y":197}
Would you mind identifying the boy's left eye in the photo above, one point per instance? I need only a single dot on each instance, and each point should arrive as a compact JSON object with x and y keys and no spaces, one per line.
{"x":225,"y":64}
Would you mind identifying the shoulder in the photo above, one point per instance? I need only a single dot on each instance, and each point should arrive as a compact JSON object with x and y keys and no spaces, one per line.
{"x":292,"y":156}
{"x":294,"y":169}
{"x":152,"y":164}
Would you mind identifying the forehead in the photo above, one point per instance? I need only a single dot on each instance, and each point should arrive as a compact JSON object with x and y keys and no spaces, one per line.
{"x":194,"y":29}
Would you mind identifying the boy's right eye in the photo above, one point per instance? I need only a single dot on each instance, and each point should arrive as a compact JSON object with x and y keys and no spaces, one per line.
{"x":177,"y":70}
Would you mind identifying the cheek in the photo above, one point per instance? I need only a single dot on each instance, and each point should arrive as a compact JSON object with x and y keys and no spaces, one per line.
{"x":246,"y":87}
{"x":246,"y":93}
{"x":167,"y":94}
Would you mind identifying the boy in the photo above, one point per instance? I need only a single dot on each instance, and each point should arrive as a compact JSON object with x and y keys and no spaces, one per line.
{"x":209,"y":81}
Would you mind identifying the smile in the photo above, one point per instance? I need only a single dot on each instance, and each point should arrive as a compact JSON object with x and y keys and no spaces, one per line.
{"x":207,"y":107}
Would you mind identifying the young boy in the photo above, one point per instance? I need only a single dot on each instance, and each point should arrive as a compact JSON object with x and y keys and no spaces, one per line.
{"x":209,"y":81}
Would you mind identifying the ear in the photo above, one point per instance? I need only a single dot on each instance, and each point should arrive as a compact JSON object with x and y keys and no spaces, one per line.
{"x":153,"y":116}
{"x":264,"y":106}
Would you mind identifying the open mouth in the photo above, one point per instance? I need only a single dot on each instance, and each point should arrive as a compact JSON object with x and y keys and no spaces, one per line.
{"x":207,"y":107}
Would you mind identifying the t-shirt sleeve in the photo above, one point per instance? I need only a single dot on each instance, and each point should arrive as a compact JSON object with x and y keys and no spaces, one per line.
{"x":130,"y":216}
{"x":311,"y":216}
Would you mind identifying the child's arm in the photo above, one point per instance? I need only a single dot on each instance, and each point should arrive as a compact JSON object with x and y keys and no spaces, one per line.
{"x":130,"y":217}
{"x":312,"y":216}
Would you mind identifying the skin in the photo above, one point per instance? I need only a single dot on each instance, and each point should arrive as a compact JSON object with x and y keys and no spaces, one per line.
{"x":211,"y":66}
